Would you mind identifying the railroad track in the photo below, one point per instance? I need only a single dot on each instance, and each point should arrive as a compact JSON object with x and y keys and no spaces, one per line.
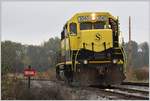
{"x":129,"y":92}
{"x":34,"y":79}
{"x":137,"y":91}
{"x":133,"y":89}
{"x":135,"y":84}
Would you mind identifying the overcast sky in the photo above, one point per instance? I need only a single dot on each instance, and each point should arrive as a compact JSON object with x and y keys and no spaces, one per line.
{"x":36,"y":22}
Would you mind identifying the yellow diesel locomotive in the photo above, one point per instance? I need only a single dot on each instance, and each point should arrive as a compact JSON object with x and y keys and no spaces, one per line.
{"x":90,"y":50}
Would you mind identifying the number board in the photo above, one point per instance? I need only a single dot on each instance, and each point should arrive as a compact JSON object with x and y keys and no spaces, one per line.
{"x":89,"y":18}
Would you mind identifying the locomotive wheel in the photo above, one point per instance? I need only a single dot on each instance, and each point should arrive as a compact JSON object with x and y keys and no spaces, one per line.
{"x":57,"y":74}
{"x":90,"y":76}
{"x":85,"y":76}
{"x":114,"y":75}
{"x":68,"y":74}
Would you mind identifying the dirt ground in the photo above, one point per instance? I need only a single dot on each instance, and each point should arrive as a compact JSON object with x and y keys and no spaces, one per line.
{"x":45,"y":90}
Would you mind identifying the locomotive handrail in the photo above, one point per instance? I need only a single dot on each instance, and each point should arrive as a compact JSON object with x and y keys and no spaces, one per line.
{"x":124,"y":56}
{"x":76,"y":55}
{"x":70,"y":49}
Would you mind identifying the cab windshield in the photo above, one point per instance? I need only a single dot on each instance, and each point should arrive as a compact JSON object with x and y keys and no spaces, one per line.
{"x":90,"y":25}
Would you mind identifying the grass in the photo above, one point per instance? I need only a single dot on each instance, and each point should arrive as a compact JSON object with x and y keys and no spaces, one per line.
{"x":138,"y":74}
{"x":15,"y":89}
{"x":49,"y":74}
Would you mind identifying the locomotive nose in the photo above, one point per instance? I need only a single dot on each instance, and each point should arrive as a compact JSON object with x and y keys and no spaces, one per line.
{"x":94,"y":40}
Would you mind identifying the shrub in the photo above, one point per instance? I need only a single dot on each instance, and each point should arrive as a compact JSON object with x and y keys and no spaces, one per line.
{"x":141,"y":73}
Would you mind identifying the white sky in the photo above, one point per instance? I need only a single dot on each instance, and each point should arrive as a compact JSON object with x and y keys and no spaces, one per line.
{"x":35,"y":22}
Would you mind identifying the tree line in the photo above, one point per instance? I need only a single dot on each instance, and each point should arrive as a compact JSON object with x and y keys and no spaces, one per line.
{"x":15,"y":56}
{"x":139,"y":54}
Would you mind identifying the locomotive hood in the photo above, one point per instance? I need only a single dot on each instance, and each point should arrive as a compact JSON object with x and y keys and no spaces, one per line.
{"x":96,"y":40}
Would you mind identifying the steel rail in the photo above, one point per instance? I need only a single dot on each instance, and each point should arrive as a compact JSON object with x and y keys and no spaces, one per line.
{"x":131,"y":89}
{"x":135,"y":83}
{"x":128,"y":95}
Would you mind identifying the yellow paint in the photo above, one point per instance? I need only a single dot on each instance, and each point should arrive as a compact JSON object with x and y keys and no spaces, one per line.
{"x":120,"y":62}
{"x":88,"y":36}
{"x":65,"y":44}
{"x":67,"y":63}
{"x":99,"y":62}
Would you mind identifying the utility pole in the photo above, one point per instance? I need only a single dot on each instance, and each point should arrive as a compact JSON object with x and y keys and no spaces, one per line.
{"x":129,"y":28}
{"x":29,"y":82}
{"x":129,"y":47}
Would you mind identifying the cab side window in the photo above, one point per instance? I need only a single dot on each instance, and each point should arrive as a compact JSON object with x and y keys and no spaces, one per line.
{"x":73,"y":28}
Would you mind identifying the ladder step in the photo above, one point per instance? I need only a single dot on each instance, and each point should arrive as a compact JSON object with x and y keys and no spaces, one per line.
{"x":117,"y":53}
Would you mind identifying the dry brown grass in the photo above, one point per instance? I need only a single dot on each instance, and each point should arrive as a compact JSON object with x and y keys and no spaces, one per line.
{"x":11,"y":88}
{"x":49,"y":74}
{"x":16,"y":89}
{"x":142,"y":74}
{"x":138,"y":74}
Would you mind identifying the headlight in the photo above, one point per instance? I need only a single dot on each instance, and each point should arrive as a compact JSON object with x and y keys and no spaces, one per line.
{"x":85,"y":61}
{"x":93,"y":16}
{"x":115,"y":60}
